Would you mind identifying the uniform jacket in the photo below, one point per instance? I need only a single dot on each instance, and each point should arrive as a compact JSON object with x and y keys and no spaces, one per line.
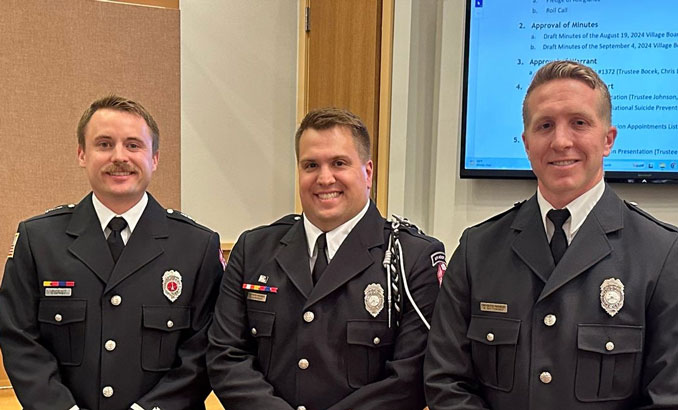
{"x":120,"y":331}
{"x":354,"y":360}
{"x":580,"y":357}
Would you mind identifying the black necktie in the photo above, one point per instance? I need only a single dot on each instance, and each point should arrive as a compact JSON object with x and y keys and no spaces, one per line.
{"x":321,"y":259}
{"x":559,"y":240}
{"x":114,"y":240}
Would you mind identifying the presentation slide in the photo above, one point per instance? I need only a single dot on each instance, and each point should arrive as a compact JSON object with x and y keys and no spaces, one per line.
{"x":633,"y":45}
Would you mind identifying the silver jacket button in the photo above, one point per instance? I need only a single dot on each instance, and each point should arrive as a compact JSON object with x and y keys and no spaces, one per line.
{"x":303,"y":364}
{"x":545,"y":377}
{"x":550,"y":320}
{"x":110,"y":345}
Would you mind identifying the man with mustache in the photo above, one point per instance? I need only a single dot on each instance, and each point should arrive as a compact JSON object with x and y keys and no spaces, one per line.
{"x":106,"y":304}
{"x":567,"y":300}
{"x":308,"y":318}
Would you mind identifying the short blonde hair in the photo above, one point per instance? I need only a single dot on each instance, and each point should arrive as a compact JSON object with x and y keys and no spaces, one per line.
{"x":567,"y":69}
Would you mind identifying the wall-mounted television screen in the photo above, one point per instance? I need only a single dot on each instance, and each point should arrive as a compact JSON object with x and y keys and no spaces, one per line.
{"x":633,"y":45}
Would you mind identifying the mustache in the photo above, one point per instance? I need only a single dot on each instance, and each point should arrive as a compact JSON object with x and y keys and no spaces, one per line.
{"x":120,"y":167}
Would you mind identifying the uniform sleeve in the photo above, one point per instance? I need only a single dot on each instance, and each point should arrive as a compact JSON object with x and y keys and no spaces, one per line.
{"x":32,"y":369}
{"x":402,"y":387}
{"x":186,"y":386}
{"x":231,"y":357}
{"x":448,"y":369}
{"x":660,"y":364}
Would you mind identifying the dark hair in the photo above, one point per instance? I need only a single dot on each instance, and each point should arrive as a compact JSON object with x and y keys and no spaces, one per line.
{"x":330,"y":117}
{"x":114,"y":102}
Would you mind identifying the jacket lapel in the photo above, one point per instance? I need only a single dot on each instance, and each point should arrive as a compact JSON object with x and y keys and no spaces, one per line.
{"x":590,"y":245}
{"x":353,"y":256}
{"x":531,"y":244}
{"x":89,"y":244}
{"x":142,"y":246}
{"x":293,"y":258}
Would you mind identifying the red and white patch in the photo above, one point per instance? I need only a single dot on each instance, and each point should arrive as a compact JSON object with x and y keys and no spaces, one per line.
{"x":438,"y":258}
{"x":171,"y":285}
{"x":441,"y":272}
{"x":222,"y":259}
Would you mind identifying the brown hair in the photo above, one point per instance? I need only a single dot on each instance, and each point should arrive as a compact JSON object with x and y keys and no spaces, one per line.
{"x":330,"y":117}
{"x":114,"y":102}
{"x":566,"y":69}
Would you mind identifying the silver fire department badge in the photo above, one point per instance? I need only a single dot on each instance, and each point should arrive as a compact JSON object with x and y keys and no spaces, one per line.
{"x":374,"y":298}
{"x":612,"y":296}
{"x":171,"y":285}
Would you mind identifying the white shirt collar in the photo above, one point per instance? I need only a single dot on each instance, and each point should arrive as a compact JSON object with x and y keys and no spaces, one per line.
{"x":131,"y":216}
{"x":335,"y":237}
{"x":579,"y":209}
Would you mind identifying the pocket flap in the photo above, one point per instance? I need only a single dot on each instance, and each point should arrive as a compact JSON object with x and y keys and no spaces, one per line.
{"x":166,"y":318}
{"x":372,"y":333}
{"x":261,"y":323}
{"x":493,"y":330}
{"x":610,"y":339}
{"x":62,"y":312}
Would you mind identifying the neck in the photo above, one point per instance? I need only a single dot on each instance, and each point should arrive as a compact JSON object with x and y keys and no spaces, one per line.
{"x":119,"y":205}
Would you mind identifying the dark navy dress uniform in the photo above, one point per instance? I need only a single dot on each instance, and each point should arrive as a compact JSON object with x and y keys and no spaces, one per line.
{"x":108,"y":336}
{"x":513,"y":331}
{"x":318,"y":347}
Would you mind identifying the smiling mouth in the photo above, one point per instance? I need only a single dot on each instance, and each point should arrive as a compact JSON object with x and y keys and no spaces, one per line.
{"x":120,"y":173}
{"x":328,"y":195}
{"x":563,"y":163}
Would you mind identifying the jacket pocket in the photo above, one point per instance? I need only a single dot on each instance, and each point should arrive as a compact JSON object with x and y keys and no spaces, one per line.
{"x":607,"y":359}
{"x":62,"y":326}
{"x":493,"y":349}
{"x":370,"y":344}
{"x":261,"y":329}
{"x":160,"y":336}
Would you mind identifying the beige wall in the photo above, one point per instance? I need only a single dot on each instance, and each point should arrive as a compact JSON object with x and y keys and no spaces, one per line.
{"x":238,"y":85}
{"x":428,"y":187}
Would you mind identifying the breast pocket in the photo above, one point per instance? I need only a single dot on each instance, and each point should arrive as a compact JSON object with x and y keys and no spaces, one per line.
{"x":261,"y":328}
{"x":493,"y":348}
{"x":161,"y":335}
{"x":370,"y":344}
{"x":607,"y":360}
{"x":62,"y":326}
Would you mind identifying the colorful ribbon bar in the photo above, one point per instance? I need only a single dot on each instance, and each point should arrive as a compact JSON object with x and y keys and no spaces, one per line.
{"x":260,"y":288}
{"x":58,"y":283}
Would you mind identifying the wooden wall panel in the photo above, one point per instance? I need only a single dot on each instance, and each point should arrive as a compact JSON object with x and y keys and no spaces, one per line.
{"x":56,"y":57}
{"x":343,"y":61}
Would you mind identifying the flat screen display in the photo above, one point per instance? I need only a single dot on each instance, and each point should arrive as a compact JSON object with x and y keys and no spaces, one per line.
{"x":633,"y":45}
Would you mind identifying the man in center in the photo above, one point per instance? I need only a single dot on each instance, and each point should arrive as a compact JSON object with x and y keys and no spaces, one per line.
{"x":305,"y":318}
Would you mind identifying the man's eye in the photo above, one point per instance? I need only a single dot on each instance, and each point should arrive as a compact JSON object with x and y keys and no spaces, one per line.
{"x":133,"y":145}
{"x":545,"y":126}
{"x":104,"y":144}
{"x":580,"y":123}
{"x":310,"y":165}
{"x":340,"y":163}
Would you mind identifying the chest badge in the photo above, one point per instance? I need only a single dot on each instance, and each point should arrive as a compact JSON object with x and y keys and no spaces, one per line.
{"x":171,"y":285}
{"x":374,"y":299}
{"x":612,"y":296}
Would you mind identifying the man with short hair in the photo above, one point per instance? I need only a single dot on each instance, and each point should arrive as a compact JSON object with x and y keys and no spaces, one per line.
{"x":568,"y":300}
{"x":308,"y":317}
{"x":106,"y":304}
